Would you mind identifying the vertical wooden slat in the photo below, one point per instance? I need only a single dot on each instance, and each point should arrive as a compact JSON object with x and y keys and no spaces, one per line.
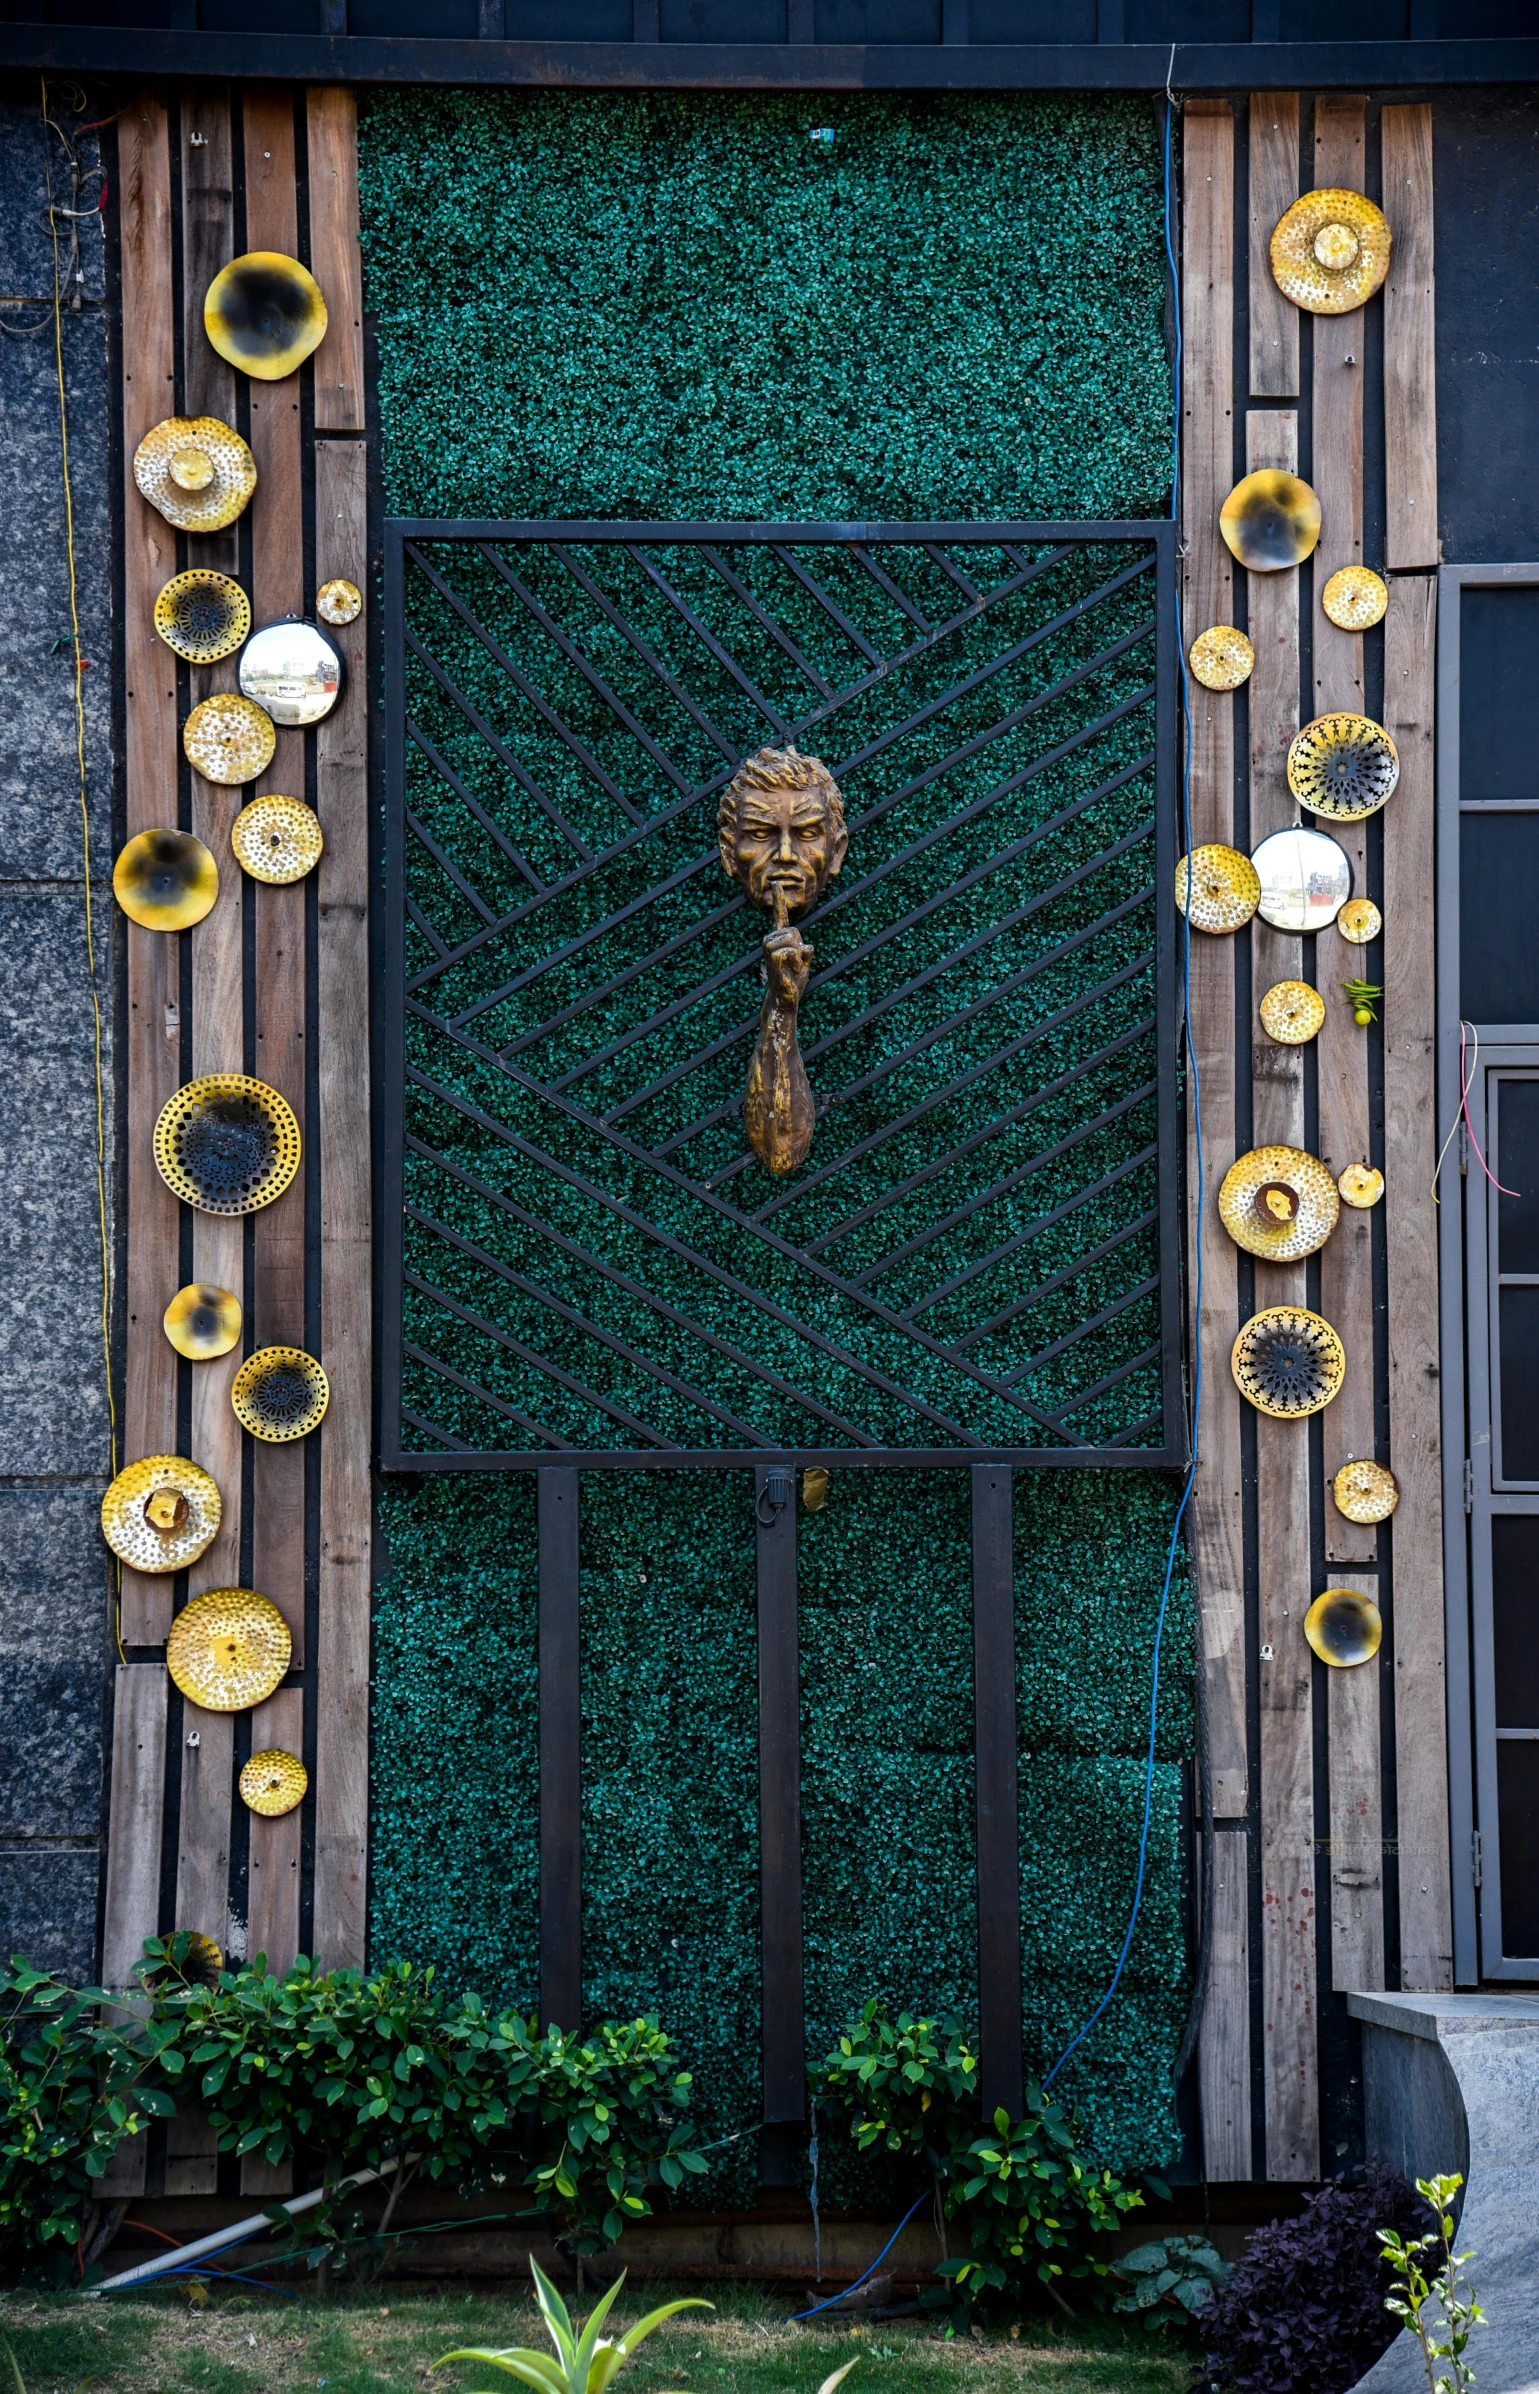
{"x":150,"y":749}
{"x":560,"y":1667}
{"x":1274,"y":186}
{"x":1207,"y":446}
{"x":272,"y":1919}
{"x":203,"y":1844}
{"x":1410,"y":361}
{"x":1272,"y":601}
{"x":1223,"y":2085}
{"x":134,"y":1834}
{"x":1357,"y":1818}
{"x":996,"y":1771}
{"x":335,"y":259}
{"x":1410,"y":1141}
{"x":782,"y":2035}
{"x":1346,"y":1262}
{"x":342,"y":971}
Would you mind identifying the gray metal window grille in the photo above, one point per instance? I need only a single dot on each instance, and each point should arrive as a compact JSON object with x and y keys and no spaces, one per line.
{"x":582,"y":1260}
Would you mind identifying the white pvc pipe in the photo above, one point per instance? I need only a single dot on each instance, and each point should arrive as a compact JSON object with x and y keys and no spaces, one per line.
{"x":235,"y":2234}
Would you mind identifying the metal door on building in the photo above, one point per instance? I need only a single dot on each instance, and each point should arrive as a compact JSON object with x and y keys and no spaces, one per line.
{"x":1489,"y":1186}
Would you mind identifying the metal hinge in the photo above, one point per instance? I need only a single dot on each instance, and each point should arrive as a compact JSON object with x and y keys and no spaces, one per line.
{"x":1469,"y":1485}
{"x":1477,"y":1858}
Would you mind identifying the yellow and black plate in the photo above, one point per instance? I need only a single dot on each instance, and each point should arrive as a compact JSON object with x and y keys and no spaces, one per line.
{"x":202,"y":1321}
{"x":1288,"y":1362}
{"x":160,"y":1514}
{"x":197,"y":471}
{"x":228,"y":1649}
{"x":1330,"y":251}
{"x":165,"y":880}
{"x":1355,"y":598}
{"x":1217,"y":888}
{"x":203,"y":616}
{"x":1280,"y":1202}
{"x":273,"y":1782}
{"x":265,"y":314}
{"x":1344,"y":1628}
{"x":280,"y":1393}
{"x":227,"y":1144}
{"x":277,"y":839}
{"x":1365,"y":1491}
{"x":1221,"y":657}
{"x":1270,"y":520}
{"x":1343,"y":766}
{"x":229,"y":740}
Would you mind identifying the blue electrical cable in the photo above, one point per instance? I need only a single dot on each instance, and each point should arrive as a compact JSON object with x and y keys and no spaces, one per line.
{"x":1186,"y":1011}
{"x":844,"y":2294}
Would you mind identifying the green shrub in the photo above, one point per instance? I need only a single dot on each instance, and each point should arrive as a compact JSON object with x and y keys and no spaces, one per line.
{"x":71,"y":2086}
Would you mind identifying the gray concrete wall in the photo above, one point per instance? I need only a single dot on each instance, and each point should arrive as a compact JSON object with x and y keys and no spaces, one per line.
{"x":55,"y":1588}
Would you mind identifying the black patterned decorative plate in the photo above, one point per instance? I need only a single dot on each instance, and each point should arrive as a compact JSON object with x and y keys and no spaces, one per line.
{"x":227,"y":1144}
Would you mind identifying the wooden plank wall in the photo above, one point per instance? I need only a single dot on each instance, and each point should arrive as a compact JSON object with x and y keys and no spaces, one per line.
{"x":275,"y":982}
{"x":1330,"y":1867}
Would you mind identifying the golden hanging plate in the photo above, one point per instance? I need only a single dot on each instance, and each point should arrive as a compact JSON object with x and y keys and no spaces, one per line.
{"x":1359,"y":921}
{"x":203,"y":616}
{"x":1365,"y":1491}
{"x":1270,"y":520}
{"x":277,"y":839}
{"x":339,"y":601}
{"x":228,"y":1649}
{"x":1344,"y":766}
{"x":273,"y":1782}
{"x":166,"y":880}
{"x":280,"y":1393}
{"x":160,"y":1515}
{"x":229,"y":740}
{"x":1361,"y":1185}
{"x":1355,"y":598}
{"x":227,"y":1144}
{"x":1291,"y":1013}
{"x":265,"y":314}
{"x":1330,"y":252}
{"x":1221,"y":657}
{"x":1344,"y":1628}
{"x":1280,"y":1202}
{"x":1288,"y":1361}
{"x":1217,"y":888}
{"x":197,"y":471}
{"x":202,"y":1321}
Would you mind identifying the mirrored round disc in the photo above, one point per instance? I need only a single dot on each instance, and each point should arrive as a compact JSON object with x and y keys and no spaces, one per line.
{"x":1305,"y":877}
{"x":292,"y":670}
{"x":1344,"y":1628}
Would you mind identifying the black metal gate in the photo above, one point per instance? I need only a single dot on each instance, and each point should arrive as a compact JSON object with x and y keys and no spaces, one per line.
{"x":583,"y":1262}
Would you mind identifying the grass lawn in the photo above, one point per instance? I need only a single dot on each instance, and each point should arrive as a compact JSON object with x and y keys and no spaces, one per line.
{"x":383,"y":2343}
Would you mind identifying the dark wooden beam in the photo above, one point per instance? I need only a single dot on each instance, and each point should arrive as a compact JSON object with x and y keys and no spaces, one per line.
{"x":560,"y":1755}
{"x":999,"y":1859}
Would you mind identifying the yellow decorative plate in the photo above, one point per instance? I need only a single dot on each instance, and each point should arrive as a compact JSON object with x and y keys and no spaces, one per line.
{"x":202,"y":1321}
{"x":229,"y":739}
{"x":203,"y":616}
{"x":227,"y":1144}
{"x":280,"y":1393}
{"x":1361,"y":1185}
{"x":1280,"y":1202}
{"x":1288,"y":1362}
{"x":339,"y":601}
{"x":1359,"y":922}
{"x":165,"y":880}
{"x":273,"y":1782}
{"x":1330,"y":251}
{"x":1270,"y":521}
{"x":1344,"y":1628}
{"x":277,"y":839}
{"x":1291,"y":1013}
{"x":1356,"y":598}
{"x":1217,"y":888}
{"x":265,"y":314}
{"x":161,"y":1514}
{"x":1365,"y":1491}
{"x":197,"y":471}
{"x":1221,"y":657}
{"x":228,"y":1649}
{"x":1343,"y":766}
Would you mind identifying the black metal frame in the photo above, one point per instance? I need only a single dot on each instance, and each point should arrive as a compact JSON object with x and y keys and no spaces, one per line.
{"x":399,"y":537}
{"x":798,"y":64}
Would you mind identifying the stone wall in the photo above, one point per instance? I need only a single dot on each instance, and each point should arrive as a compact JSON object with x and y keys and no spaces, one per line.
{"x":55,"y":1589}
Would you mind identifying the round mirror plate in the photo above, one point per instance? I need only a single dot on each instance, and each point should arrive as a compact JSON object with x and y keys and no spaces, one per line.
{"x":293,"y":671}
{"x":1306,"y":878}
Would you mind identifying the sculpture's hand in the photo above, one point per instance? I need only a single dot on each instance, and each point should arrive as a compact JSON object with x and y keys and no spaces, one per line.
{"x":787,"y":964}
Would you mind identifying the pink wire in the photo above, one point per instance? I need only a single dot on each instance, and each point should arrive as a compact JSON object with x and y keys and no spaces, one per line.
{"x":1464,"y":1108}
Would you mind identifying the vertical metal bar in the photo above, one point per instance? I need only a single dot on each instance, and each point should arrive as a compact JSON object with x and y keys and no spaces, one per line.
{"x":994,"y":1763}
{"x":560,"y":1754}
{"x":391,"y":1098}
{"x":1170,"y":997}
{"x":780,"y":1806}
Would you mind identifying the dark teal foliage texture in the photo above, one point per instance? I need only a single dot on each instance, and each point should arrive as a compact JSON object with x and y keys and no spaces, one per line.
{"x":656,"y":307}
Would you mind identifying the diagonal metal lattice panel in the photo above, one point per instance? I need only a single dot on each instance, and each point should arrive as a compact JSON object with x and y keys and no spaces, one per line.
{"x":582,"y":1258}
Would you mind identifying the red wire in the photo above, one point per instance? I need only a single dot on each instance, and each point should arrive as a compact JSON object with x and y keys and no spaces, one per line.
{"x":1464,"y":1105}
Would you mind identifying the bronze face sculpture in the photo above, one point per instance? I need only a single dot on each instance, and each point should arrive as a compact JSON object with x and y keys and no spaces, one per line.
{"x":781,"y":832}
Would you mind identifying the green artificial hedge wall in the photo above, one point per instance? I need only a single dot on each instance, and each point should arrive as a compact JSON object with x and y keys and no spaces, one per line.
{"x":653,"y":306}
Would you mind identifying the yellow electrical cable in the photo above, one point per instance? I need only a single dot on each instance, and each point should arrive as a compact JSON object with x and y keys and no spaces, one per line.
{"x":85,"y":834}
